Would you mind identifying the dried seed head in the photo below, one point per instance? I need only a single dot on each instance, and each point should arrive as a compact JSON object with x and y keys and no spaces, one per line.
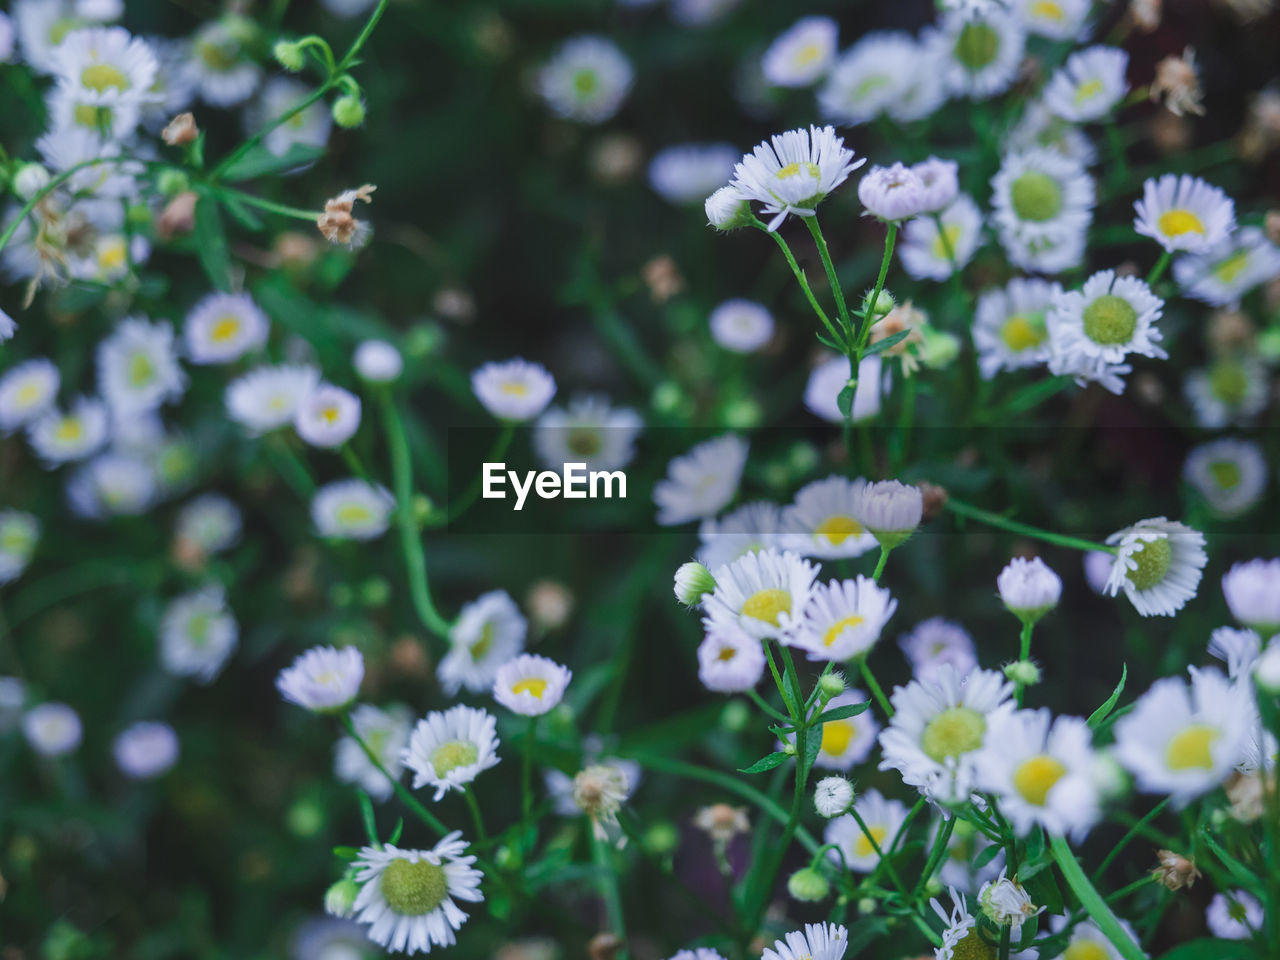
{"x":339,"y":225}
{"x":181,"y":130}
{"x":1174,"y":870}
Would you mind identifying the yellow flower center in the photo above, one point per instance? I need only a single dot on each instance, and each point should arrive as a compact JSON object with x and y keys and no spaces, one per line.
{"x":952,"y":732}
{"x":216,"y":56}
{"x":69,"y":430}
{"x":102,"y":76}
{"x":1174,"y":223}
{"x":28,"y":394}
{"x":1035,"y":778}
{"x":767,"y":605}
{"x":1087,"y":91}
{"x":944,"y":242}
{"x":836,"y":737}
{"x":726,"y":654}
{"x":807,"y":54}
{"x":456,"y":753}
{"x":1047,"y":10}
{"x":353,"y":514}
{"x":514,"y":388}
{"x":1153,"y":558}
{"x":225,"y":329}
{"x":95,"y":118}
{"x":837,"y":628}
{"x":838,"y":529}
{"x":330,"y":414}
{"x":1086,"y":950}
{"x":113,"y":255}
{"x":1229,"y":269}
{"x":871,"y":84}
{"x":862,"y":846}
{"x":1190,"y":749}
{"x":535,"y":685}
{"x":1022,"y":331}
{"x":798,"y":168}
{"x":483,"y":643}
{"x":413,"y":889}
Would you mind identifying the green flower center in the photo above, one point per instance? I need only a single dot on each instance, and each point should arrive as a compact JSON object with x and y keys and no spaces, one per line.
{"x":102,"y":76}
{"x":1229,"y":383}
{"x":1225,"y":473}
{"x":1022,"y":331}
{"x":456,"y":753}
{"x":217,"y":56}
{"x":973,"y":947}
{"x":1110,"y":320}
{"x":1153,"y":559}
{"x":584,"y":441}
{"x":198,"y":629}
{"x":412,"y":889}
{"x":586,"y":83}
{"x":141,"y":370}
{"x":872,"y":83}
{"x":1036,"y":197}
{"x":483,"y":643}
{"x":977,"y":45}
{"x":953,"y":732}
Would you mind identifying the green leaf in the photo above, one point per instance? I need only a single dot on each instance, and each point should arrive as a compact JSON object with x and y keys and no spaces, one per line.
{"x":1096,"y":718}
{"x":346,"y":853}
{"x":845,"y":400}
{"x":395,"y":834}
{"x":260,"y":161}
{"x":882,"y":345}
{"x":1209,"y":949}
{"x":370,"y":822}
{"x":241,"y":213}
{"x":988,"y":854}
{"x":864,"y":930}
{"x":211,"y":243}
{"x":842,"y":713}
{"x":828,"y":342}
{"x":767,"y":763}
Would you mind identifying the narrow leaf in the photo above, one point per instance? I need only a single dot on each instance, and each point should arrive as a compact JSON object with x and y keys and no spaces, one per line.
{"x":766,"y":763}
{"x":843,"y":713}
{"x":1096,"y":718}
{"x":882,"y":345}
{"x":845,"y":400}
{"x":211,"y":243}
{"x":370,"y":823}
{"x":260,"y":161}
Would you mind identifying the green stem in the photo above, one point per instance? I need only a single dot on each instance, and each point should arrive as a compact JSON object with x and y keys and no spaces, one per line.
{"x":1158,"y":270}
{"x":1092,"y":901}
{"x":1024,"y":651}
{"x":875,"y":845}
{"x":526,"y":770}
{"x":874,"y":686}
{"x":476,"y":818}
{"x":352,"y":460}
{"x":884,"y":558}
{"x":407,"y":798}
{"x":609,"y":892}
{"x":804,"y":283}
{"x":815,"y":230}
{"x":496,"y":455}
{"x":297,"y":213}
{"x":764,"y":705}
{"x":891,"y":234}
{"x":936,"y":854}
{"x":963,"y":509}
{"x":1124,"y":841}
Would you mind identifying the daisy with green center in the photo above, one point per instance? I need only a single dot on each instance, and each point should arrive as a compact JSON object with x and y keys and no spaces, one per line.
{"x":407,"y":897}
{"x":762,"y":593}
{"x":1252,"y":592}
{"x":352,"y":509}
{"x":1108,"y":319}
{"x":1042,"y":204}
{"x":1040,"y":127}
{"x":961,"y":938}
{"x":590,"y":432}
{"x":104,"y":78}
{"x":746,"y":529}
{"x":27,"y":391}
{"x":19,"y":534}
{"x":221,"y":66}
{"x":531,"y":685}
{"x":1237,"y":915}
{"x":79,"y":432}
{"x":587,"y":80}
{"x":844,"y":743}
{"x":449,"y":750}
{"x":1158,"y":565}
{"x":802,"y":54}
{"x":842,"y":620}
{"x":820,"y":522}
{"x":513,"y":390}
{"x":1089,"y":85}
{"x":883,"y":73}
{"x":729,"y":660}
{"x":1010,"y":330}
{"x":1184,"y":213}
{"x":386,"y":734}
{"x":928,"y":252}
{"x":856,"y":851}
{"x":488,"y":632}
{"x":794,"y":171}
{"x":224,"y":327}
{"x":1230,"y":474}
{"x":940,"y":726}
{"x":197,"y":634}
{"x":977,"y":55}
{"x":1185,"y":739}
{"x":113,"y":484}
{"x":1055,"y":19}
{"x":138,"y":367}
{"x":702,"y":482}
{"x":323,"y":679}
{"x":1233,"y":390}
{"x":1231,"y":268}
{"x":818,"y":941}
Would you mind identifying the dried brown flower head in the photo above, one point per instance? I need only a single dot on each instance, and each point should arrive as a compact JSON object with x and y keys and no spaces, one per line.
{"x":339,"y":225}
{"x":181,"y":130}
{"x":1174,"y":870}
{"x":1178,"y":84}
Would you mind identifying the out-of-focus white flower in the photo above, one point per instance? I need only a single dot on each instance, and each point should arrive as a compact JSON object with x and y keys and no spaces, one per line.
{"x":79,"y":432}
{"x":27,"y":391}
{"x":802,"y":54}
{"x":1231,"y":268}
{"x":267,"y":398}
{"x":328,"y":416}
{"x":19,"y":534}
{"x":146,"y":750}
{"x":52,"y":729}
{"x":1252,"y":592}
{"x":224,"y":327}
{"x":883,"y":73}
{"x":323,"y":679}
{"x":386,"y":734}
{"x":829,"y":378}
{"x":115,"y":483}
{"x":531,"y":685}
{"x":377,"y":361}
{"x":730,"y":660}
{"x":702,"y":482}
{"x":1233,"y":390}
{"x":978,"y":56}
{"x":688,"y":172}
{"x":210,"y":523}
{"x":742,"y":326}
{"x":1230,"y":474}
{"x":586,"y":80}
{"x":1042,"y":204}
{"x":221,"y":67}
{"x":488,"y":632}
{"x":450,"y":749}
{"x":138,"y":366}
{"x":934,"y":643}
{"x":1235,"y":916}
{"x":842,"y":619}
{"x":856,"y":849}
{"x":929,"y":252}
{"x":352,"y":509}
{"x":514,"y":390}
{"x":590,"y":432}
{"x":308,"y":128}
{"x":818,"y":941}
{"x":198,"y":634}
{"x":1089,"y":85}
{"x":1009,"y":327}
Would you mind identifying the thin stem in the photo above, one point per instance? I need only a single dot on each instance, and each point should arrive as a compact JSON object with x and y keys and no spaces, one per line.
{"x":874,"y":685}
{"x":407,"y":798}
{"x":609,"y":892}
{"x":936,"y":854}
{"x":1024,"y":651}
{"x":875,"y":845}
{"x":1013,"y":526}
{"x":815,"y":230}
{"x":1092,"y":901}
{"x":1158,"y":270}
{"x":476,"y":818}
{"x":526,"y":770}
{"x":48,"y":188}
{"x":1124,"y":841}
{"x":496,"y":454}
{"x":890,"y":236}
{"x":884,"y":558}
{"x":297,"y":213}
{"x":764,"y":705}
{"x":352,"y":460}
{"x":803,"y":281}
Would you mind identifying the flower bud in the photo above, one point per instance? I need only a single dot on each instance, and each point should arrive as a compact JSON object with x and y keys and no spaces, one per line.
{"x":348,"y":112}
{"x":340,"y":898}
{"x":30,"y":179}
{"x":831,"y":685}
{"x":1022,"y":672}
{"x":727,"y":209}
{"x":289,"y":55}
{"x":832,"y":796}
{"x":172,"y":182}
{"x":735,"y":716}
{"x":660,"y":839}
{"x":884,"y":304}
{"x":692,"y":582}
{"x":808,"y":885}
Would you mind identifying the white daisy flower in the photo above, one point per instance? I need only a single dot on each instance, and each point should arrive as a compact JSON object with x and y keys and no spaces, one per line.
{"x":386,"y":733}
{"x":828,"y":379}
{"x":979,"y":55}
{"x":818,"y":941}
{"x":268,"y":397}
{"x":586,"y":80}
{"x":531,"y":685}
{"x":220,"y":67}
{"x":407,"y":897}
{"x":1010,"y":331}
{"x":327,"y":417}
{"x":112,"y":484}
{"x":1233,"y":390}
{"x":1042,"y":771}
{"x":488,"y":632}
{"x":883,"y":819}
{"x":890,"y":510}
{"x":845,"y":743}
{"x":892,"y":193}
{"x":1006,"y":903}
{"x":688,"y":172}
{"x":198,"y":634}
{"x":730,"y":660}
{"x":820,"y":522}
{"x":832,"y":796}
{"x":41,"y":27}
{"x":934,"y":643}
{"x":19,"y":534}
{"x":1184,"y":213}
{"x":1185,"y":740}
{"x":842,"y":619}
{"x":1230,"y":474}
{"x":308,"y":128}
{"x":1040,"y":128}
{"x":1055,"y":19}
{"x":793,"y":171}
{"x":1029,"y":588}
{"x":52,"y":729}
{"x":1109,"y":318}
{"x":1231,"y":268}
{"x":144,"y":751}
{"x":746,"y":529}
{"x":323,"y":679}
{"x":866,"y":79}
{"x":941,"y":183}
{"x":514,"y":390}
{"x":138,"y":367}
{"x":762,"y":593}
{"x":939,"y":727}
{"x":1235,"y":916}
{"x":961,"y":938}
{"x":449,"y":750}
{"x":68,"y":147}
{"x":103,"y":77}
{"x":377,"y":361}
{"x":1042,"y":204}
{"x":1252,"y":592}
{"x":79,"y":432}
{"x":742,"y":326}
{"x":928,"y":252}
{"x":352,"y":509}
{"x":1089,"y":85}
{"x":1087,"y":942}
{"x":702,"y":482}
{"x":224,"y":327}
{"x":727,"y":209}
{"x":590,"y":431}
{"x":1158,"y":565}
{"x":802,"y":54}
{"x":27,"y":391}
{"x":209,"y":524}
{"x":1238,"y":649}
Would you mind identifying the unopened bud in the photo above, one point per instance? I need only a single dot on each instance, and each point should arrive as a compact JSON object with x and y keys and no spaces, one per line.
{"x":348,"y":112}
{"x":181,"y":130}
{"x":808,"y":885}
{"x":30,"y":179}
{"x":289,"y":55}
{"x":340,"y":898}
{"x":692,"y":582}
{"x":1022,"y":672}
{"x":831,"y":685}
{"x":884,"y":304}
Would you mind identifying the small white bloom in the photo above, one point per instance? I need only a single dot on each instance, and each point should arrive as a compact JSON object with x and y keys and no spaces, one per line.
{"x":818,"y":941}
{"x":386,"y":733}
{"x":842,"y":619}
{"x":802,"y":54}
{"x":857,"y":851}
{"x":146,"y":750}
{"x":224,"y":327}
{"x":751,"y":527}
{"x":701,"y":482}
{"x":829,"y":378}
{"x":688,"y":172}
{"x":220,"y":66}
{"x":941,"y":186}
{"x":210,"y":523}
{"x":892,"y":193}
{"x":531,"y":685}
{"x":514,"y":390}
{"x":1225,"y":272}
{"x":935,"y":642}
{"x":52,"y":729}
{"x":138,"y":366}
{"x":793,"y":171}
{"x":1158,"y":565}
{"x":1235,"y":916}
{"x":1109,"y":318}
{"x":58,"y":437}
{"x":832,"y":796}
{"x":267,"y":398}
{"x":730,"y":660}
{"x":890,"y":510}
{"x":762,"y":593}
{"x":821,"y":521}
{"x":1007,"y":904}
{"x":1252,"y":592}
{"x":198,"y":634}
{"x":978,"y":56}
{"x":1040,"y":128}
{"x":489,"y":631}
{"x":323,"y":679}
{"x":377,"y":361}
{"x":1233,"y":390}
{"x":308,"y":128}
{"x":1042,"y":204}
{"x":589,"y":432}
{"x":112,"y":484}
{"x":727,"y":209}
{"x":327,"y":417}
{"x":1028,"y":587}
{"x":19,"y":533}
{"x":1089,"y":85}
{"x":449,"y":750}
{"x":1238,"y":649}
{"x":104,"y":76}
{"x":352,"y":510}
{"x":586,"y":80}
{"x":885,"y":72}
{"x":1230,"y":474}
{"x":928,"y":252}
{"x":1184,"y":213}
{"x":1010,"y":331}
{"x":742,"y":326}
